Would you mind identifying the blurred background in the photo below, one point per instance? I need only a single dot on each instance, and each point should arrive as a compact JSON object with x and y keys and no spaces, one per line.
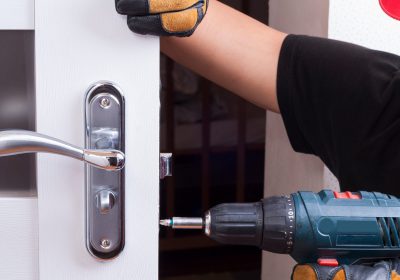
{"x":17,"y":108}
{"x":218,"y":143}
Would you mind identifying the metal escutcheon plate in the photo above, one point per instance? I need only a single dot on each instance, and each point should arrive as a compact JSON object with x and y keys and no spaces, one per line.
{"x":105,"y":118}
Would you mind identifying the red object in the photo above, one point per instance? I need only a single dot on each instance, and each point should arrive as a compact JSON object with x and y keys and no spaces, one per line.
{"x":346,"y":195}
{"x":391,"y":7}
{"x":328,"y":262}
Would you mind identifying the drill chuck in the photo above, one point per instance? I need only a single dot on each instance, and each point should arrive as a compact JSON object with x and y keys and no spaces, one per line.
{"x":236,"y":223}
{"x":268,"y":224}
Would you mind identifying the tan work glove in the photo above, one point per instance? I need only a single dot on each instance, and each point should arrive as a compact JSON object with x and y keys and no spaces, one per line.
{"x":384,"y":270}
{"x":163,"y":17}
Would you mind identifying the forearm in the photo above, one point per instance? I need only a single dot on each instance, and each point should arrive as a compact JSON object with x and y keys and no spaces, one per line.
{"x":234,"y":51}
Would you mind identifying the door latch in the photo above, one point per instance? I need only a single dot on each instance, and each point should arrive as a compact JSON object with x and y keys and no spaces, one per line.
{"x":165,"y":165}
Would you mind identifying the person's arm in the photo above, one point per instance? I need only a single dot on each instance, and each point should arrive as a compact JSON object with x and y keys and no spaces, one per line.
{"x":234,"y":51}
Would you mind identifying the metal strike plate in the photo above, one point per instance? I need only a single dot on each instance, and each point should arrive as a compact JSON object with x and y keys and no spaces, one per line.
{"x":105,"y":129}
{"x":165,"y":165}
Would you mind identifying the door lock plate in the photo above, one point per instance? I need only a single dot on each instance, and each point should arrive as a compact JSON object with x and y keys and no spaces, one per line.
{"x":105,"y":129}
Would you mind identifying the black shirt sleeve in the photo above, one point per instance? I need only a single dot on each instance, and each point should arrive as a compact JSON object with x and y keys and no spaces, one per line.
{"x":341,"y":102}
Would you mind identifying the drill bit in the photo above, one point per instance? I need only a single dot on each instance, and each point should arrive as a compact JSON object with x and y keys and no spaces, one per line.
{"x":183,"y":223}
{"x":166,"y":222}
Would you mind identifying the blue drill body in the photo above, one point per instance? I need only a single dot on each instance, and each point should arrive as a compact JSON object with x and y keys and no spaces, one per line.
{"x":348,"y":227}
{"x":349,"y":230}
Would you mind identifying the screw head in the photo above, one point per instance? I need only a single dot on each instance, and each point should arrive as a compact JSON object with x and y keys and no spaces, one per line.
{"x":105,"y":102}
{"x":105,"y":243}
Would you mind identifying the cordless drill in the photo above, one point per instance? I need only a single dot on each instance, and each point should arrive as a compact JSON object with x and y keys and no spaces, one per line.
{"x":328,"y":228}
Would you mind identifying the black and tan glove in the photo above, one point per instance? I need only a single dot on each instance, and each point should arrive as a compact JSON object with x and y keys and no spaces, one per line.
{"x":384,"y":270}
{"x":163,"y":17}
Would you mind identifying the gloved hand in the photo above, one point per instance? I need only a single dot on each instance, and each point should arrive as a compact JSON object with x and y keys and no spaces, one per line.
{"x":163,"y":17}
{"x":384,"y":270}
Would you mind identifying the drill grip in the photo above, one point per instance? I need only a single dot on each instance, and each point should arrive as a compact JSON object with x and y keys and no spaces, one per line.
{"x":268,"y":224}
{"x":279,"y":224}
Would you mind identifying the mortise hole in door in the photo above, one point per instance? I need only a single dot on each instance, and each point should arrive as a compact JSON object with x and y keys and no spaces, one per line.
{"x":17,"y":108}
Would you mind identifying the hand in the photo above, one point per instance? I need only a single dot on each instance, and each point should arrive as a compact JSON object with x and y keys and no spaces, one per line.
{"x":163,"y":17}
{"x":384,"y":270}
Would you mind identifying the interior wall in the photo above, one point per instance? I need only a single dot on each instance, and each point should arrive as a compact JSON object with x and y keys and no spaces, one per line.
{"x":309,"y":17}
{"x":285,"y":170}
{"x":364,"y":24}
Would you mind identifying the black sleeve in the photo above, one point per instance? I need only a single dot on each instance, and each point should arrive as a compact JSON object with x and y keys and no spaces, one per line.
{"x":341,"y":102}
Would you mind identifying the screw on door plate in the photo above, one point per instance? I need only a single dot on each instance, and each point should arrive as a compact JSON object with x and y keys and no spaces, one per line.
{"x":105,"y":103}
{"x":105,"y":244}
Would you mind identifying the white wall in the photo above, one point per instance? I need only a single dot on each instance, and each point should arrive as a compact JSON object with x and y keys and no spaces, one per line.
{"x":17,"y":15}
{"x":285,"y":170}
{"x":364,"y":24}
{"x":300,"y":17}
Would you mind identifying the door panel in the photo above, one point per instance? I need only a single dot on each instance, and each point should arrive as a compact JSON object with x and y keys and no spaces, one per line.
{"x":18,"y":238}
{"x":78,"y":43}
{"x":17,"y":15}
{"x":18,"y":202}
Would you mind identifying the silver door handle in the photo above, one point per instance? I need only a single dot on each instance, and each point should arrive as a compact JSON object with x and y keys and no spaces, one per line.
{"x":14,"y":142}
{"x":104,"y":151}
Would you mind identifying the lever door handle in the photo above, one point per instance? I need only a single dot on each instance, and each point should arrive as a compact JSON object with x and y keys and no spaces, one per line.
{"x":14,"y":142}
{"x":104,"y":151}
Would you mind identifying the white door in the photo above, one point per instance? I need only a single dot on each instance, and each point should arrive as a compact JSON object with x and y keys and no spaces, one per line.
{"x":77,"y":43}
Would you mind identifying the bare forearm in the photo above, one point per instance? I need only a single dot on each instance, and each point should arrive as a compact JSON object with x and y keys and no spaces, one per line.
{"x":234,"y":51}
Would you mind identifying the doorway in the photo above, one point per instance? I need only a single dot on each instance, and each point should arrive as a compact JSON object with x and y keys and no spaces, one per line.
{"x":218,"y":143}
